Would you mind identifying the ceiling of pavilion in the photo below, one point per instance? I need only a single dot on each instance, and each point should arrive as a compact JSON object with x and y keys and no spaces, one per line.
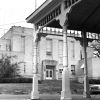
{"x":85,"y":15}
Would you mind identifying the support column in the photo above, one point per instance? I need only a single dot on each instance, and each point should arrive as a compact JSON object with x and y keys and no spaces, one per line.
{"x":66,"y":92}
{"x":35,"y":93}
{"x":86,"y":93}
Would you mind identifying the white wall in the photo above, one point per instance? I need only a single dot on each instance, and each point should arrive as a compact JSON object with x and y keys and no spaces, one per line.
{"x":23,"y":51}
{"x":96,"y":67}
{"x":55,"y":53}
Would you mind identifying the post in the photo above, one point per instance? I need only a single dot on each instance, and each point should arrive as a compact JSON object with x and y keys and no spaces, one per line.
{"x":86,"y":93}
{"x":66,"y":92}
{"x":35,"y":93}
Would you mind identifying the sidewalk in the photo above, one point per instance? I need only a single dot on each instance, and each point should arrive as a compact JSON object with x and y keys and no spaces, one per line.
{"x":44,"y":97}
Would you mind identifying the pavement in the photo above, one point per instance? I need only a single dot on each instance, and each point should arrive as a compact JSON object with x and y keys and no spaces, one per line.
{"x":44,"y":97}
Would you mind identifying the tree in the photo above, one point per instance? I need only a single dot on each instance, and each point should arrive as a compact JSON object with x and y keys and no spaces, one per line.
{"x":8,"y":69}
{"x":96,"y":46}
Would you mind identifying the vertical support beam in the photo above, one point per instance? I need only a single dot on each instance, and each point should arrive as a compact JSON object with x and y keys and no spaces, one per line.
{"x":35,"y":93}
{"x":86,"y":93}
{"x":66,"y":92}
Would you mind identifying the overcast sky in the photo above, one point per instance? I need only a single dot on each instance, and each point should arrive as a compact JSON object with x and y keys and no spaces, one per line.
{"x":14,"y":12}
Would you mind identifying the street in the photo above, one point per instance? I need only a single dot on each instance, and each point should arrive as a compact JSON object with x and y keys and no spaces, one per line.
{"x":44,"y":97}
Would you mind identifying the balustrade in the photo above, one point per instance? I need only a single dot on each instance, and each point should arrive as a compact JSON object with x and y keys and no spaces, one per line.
{"x":70,"y":33}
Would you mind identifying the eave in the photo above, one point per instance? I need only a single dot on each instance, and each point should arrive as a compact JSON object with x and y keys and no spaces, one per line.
{"x":43,"y":10}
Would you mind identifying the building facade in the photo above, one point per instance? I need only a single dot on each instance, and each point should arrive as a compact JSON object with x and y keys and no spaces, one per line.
{"x":17,"y":41}
{"x":50,"y":54}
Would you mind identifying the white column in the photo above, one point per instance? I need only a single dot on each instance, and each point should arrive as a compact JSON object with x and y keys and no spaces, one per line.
{"x":66,"y":92}
{"x":35,"y":93}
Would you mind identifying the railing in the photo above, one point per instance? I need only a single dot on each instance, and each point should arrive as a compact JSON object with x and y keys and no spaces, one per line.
{"x":70,"y":33}
{"x":52,"y":31}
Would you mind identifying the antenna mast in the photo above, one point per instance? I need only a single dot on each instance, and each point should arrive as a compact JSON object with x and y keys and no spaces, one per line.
{"x":35,"y":4}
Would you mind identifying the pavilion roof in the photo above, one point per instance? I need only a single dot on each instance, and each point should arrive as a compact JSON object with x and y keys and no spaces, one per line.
{"x":85,"y":15}
{"x":43,"y":10}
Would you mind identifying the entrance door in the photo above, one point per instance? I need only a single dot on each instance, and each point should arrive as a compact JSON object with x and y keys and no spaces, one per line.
{"x":49,"y":73}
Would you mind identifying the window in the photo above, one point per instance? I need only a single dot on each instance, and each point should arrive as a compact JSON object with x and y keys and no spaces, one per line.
{"x":49,"y":47}
{"x":73,"y":69}
{"x":49,"y":73}
{"x":0,"y":46}
{"x":73,"y":49}
{"x":8,"y":47}
{"x":23,"y":43}
{"x":81,"y":57}
{"x":60,"y":51}
{"x":60,"y":71}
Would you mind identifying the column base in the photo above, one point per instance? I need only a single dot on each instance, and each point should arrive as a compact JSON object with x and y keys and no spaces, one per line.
{"x":86,"y":96}
{"x":65,"y":95}
{"x":66,"y":92}
{"x":35,"y":92}
{"x":34,"y":96}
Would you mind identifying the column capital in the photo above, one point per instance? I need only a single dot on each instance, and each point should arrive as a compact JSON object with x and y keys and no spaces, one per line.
{"x":65,"y":25}
{"x":38,"y":35}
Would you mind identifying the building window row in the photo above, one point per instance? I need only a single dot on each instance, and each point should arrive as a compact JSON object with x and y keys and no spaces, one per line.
{"x":49,"y":47}
{"x":5,"y":47}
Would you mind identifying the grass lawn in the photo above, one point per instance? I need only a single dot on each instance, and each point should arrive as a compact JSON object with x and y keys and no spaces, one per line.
{"x":15,"y":88}
{"x":48,"y":87}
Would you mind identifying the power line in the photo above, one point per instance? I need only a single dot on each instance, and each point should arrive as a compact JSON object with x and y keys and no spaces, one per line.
{"x":3,"y":28}
{"x":12,"y":23}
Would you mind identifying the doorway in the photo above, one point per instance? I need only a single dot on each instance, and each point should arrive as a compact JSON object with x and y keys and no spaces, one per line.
{"x":49,"y":74}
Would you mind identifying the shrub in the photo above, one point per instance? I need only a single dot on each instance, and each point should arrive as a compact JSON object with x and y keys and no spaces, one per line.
{"x":17,"y":80}
{"x":8,"y":69}
{"x":94,"y":81}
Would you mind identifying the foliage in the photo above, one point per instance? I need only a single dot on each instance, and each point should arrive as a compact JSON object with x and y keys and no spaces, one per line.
{"x":96,"y":46}
{"x":8,"y":69}
{"x":94,"y":81}
{"x":16,"y":80}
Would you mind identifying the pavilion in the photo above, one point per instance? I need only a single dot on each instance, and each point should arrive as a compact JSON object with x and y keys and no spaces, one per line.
{"x":81,"y":15}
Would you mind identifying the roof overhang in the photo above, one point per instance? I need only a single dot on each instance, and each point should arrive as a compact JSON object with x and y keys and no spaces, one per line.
{"x":43,"y":10}
{"x":85,"y":15}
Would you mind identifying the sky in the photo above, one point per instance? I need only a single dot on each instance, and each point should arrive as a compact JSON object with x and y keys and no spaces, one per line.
{"x":14,"y":12}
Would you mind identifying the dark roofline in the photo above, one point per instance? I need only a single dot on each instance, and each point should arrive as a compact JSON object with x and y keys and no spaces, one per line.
{"x":36,"y":11}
